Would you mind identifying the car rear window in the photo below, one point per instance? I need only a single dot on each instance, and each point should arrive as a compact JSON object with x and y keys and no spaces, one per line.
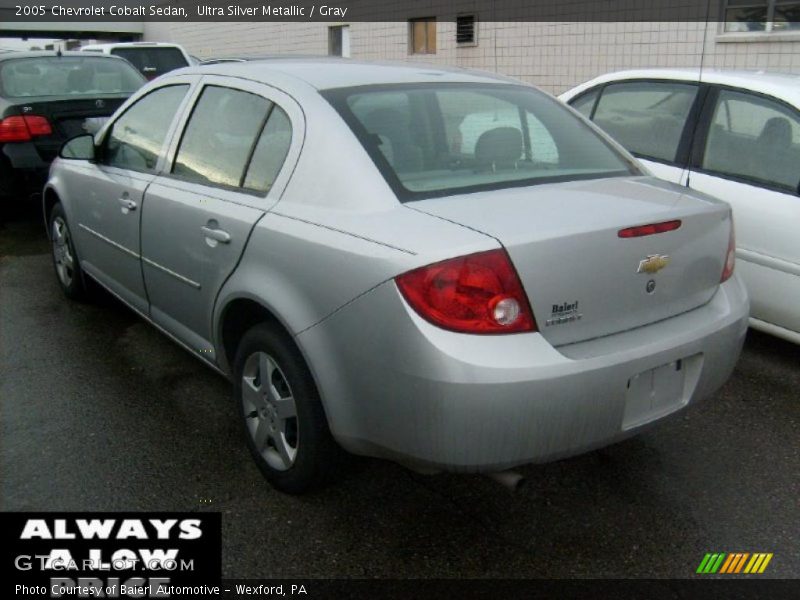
{"x":67,"y":76}
{"x":441,"y":139}
{"x":152,"y":62}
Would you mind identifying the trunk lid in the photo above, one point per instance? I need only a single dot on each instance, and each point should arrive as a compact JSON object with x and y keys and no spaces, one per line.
{"x":582,"y":279}
{"x":68,"y":117}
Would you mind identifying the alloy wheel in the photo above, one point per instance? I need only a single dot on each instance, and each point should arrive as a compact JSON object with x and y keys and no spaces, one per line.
{"x":62,"y":252}
{"x":270,"y":411}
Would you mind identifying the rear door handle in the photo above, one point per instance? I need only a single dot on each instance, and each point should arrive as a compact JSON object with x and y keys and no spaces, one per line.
{"x":126,"y":203}
{"x":218,"y":235}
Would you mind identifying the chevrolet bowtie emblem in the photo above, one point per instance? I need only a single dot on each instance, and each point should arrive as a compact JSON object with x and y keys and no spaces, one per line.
{"x":653,"y":263}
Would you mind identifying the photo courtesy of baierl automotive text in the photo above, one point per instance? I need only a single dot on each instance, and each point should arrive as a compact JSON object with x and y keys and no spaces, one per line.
{"x":384,"y":299}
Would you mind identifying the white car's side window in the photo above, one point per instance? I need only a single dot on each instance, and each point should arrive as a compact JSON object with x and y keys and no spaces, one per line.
{"x":754,"y":138}
{"x":647,"y":117}
{"x":585,"y":103}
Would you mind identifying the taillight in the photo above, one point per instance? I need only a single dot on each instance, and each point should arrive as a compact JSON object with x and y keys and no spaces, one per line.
{"x":37,"y":125}
{"x":651,"y":229}
{"x":730,"y":257}
{"x":13,"y":129}
{"x":22,"y":129}
{"x":479,"y":293}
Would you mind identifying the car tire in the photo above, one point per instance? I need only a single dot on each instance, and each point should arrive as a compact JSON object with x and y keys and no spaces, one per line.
{"x":65,"y":261}
{"x":285,"y":426}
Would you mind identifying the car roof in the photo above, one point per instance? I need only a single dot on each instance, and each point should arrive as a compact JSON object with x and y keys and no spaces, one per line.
{"x":132,"y":45}
{"x":332,"y":72}
{"x":52,"y":54}
{"x":784,"y":86}
{"x":252,"y":57}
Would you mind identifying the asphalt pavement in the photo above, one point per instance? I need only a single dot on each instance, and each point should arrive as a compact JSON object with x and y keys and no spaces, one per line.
{"x":101,"y":412}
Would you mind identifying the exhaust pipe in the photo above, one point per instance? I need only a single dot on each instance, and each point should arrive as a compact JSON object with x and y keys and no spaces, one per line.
{"x":511,"y":480}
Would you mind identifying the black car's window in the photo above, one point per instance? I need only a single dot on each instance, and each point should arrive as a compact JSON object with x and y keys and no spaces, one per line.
{"x":646,"y":117}
{"x":153,"y":61}
{"x":270,"y":152}
{"x":220,"y":135}
{"x":67,"y":76}
{"x":585,"y":103}
{"x":442,"y":139}
{"x":754,"y":138}
{"x":135,"y":139}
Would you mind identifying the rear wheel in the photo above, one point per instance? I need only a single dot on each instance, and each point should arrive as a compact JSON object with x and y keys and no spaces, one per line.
{"x":283,"y":419}
{"x":65,"y":261}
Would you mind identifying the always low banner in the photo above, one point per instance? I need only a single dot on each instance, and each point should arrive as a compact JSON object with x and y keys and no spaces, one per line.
{"x":108,"y":555}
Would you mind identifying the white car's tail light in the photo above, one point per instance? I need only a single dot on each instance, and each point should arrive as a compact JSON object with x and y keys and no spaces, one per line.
{"x":478,"y":293}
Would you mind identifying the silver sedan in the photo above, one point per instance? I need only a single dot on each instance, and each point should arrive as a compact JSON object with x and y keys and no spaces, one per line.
{"x":448,"y":269}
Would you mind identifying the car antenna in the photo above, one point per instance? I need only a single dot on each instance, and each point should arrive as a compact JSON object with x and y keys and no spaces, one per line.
{"x":58,"y":54}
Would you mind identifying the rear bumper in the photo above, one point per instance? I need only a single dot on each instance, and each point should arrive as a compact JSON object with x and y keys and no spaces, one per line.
{"x":395,"y":386}
{"x":22,"y":170}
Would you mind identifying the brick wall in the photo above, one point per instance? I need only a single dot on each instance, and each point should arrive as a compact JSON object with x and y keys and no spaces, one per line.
{"x":554,"y":56}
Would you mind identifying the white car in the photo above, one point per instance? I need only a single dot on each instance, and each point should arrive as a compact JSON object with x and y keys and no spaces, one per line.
{"x":734,"y":135}
{"x":151,"y":58}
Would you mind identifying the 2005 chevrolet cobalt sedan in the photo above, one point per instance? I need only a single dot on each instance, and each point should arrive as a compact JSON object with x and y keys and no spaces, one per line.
{"x":448,"y":269}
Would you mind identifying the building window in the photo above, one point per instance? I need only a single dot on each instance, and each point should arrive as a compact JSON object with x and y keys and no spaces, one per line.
{"x":466,"y":34}
{"x":423,"y":35}
{"x":762,"y":16}
{"x":339,"y":40}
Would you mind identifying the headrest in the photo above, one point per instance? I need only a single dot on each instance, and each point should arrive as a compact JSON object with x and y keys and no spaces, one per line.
{"x":502,"y":145}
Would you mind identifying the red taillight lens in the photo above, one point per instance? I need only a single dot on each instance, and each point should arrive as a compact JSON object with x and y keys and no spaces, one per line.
{"x":22,"y":129}
{"x":651,"y":229}
{"x":37,"y":125}
{"x":730,"y":257}
{"x":478,"y":293}
{"x":13,"y":129}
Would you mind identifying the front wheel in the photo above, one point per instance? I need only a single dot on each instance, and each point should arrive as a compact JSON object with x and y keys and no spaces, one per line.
{"x":285,"y":425}
{"x":65,"y":261}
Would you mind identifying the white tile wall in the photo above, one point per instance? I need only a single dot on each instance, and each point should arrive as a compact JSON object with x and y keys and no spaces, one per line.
{"x":552,"y":55}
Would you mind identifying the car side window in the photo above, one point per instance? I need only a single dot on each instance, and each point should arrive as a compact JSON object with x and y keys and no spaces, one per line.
{"x":754,"y":138}
{"x":585,"y":103}
{"x":270,"y":152}
{"x":220,"y":136}
{"x":647,"y":118}
{"x":135,"y":139}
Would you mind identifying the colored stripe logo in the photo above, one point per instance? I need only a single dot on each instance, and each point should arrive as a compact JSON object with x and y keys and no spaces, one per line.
{"x":733,"y":563}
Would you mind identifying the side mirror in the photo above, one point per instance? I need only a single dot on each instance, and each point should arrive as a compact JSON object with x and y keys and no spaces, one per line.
{"x":80,"y":147}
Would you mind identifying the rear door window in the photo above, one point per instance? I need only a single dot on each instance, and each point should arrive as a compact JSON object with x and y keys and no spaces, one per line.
{"x":647,"y":118}
{"x":755,"y":139}
{"x":270,"y":152}
{"x":220,"y":137}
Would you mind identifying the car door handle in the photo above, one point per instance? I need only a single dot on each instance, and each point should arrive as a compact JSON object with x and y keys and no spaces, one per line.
{"x":127,"y":203}
{"x":218,"y":235}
